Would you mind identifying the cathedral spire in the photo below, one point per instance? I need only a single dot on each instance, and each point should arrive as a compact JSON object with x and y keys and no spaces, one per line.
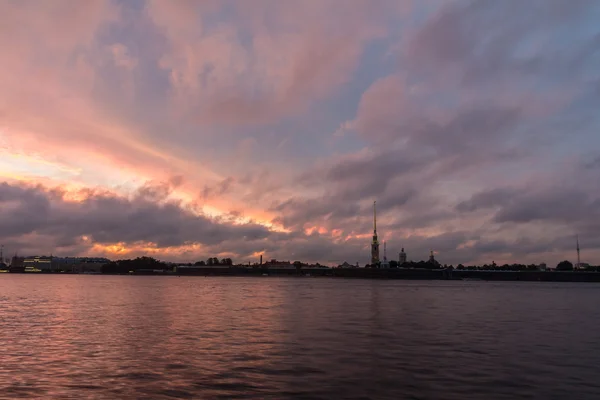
{"x":375,"y":243}
{"x":375,"y":217}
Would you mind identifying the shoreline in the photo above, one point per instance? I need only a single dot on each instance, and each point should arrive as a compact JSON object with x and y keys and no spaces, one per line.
{"x":364,"y":273}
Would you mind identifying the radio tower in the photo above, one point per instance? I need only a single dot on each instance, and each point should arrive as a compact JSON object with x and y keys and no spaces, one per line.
{"x":578,"y":259}
{"x":384,"y":251}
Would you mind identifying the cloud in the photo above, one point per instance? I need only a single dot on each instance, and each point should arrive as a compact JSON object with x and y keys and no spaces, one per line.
{"x":265,"y":60}
{"x":121,"y":56}
{"x":220,"y":189}
{"x":487,"y":199}
{"x":570,"y":207}
{"x":105,"y":218}
{"x":194,"y":128}
{"x":486,"y":44}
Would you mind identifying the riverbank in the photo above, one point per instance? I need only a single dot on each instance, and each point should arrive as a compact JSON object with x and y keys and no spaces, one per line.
{"x":368,"y":273}
{"x":398,"y":273}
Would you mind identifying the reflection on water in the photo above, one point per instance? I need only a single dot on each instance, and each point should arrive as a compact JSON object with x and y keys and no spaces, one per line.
{"x":112,"y":337}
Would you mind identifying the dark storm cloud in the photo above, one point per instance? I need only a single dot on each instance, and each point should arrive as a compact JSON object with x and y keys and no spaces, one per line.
{"x":556,"y":204}
{"x":23,"y":208}
{"x":564,"y":197}
{"x":107,"y":218}
{"x":487,"y":199}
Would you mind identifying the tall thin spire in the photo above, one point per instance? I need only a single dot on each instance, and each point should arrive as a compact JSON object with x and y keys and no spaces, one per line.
{"x":375,"y":217}
{"x":384,"y":251}
{"x":375,"y":243}
{"x":578,"y":258}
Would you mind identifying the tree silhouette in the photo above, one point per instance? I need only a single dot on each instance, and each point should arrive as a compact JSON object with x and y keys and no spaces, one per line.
{"x":564,"y":266}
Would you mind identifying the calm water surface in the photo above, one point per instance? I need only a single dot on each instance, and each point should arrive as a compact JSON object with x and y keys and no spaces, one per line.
{"x":113,"y":337}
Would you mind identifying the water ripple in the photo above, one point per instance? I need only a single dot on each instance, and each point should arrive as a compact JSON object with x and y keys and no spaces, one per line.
{"x":102,"y":337}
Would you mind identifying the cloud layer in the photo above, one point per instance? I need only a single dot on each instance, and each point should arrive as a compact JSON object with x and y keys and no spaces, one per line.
{"x":198,"y":128}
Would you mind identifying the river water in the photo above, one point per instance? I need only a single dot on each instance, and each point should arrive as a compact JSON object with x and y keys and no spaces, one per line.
{"x":125,"y":337}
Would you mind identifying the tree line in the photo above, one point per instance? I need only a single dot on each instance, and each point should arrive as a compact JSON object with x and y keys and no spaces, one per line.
{"x":561,"y":266}
{"x":149,"y":263}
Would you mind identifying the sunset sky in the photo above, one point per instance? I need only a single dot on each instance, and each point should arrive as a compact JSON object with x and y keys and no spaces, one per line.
{"x":186,"y":129}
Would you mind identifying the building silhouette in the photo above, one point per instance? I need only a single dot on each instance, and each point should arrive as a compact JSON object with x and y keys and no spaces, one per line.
{"x":402,"y":258}
{"x":432,"y":259}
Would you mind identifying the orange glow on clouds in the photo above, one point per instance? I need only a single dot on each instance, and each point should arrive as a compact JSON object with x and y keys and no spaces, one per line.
{"x":316,"y":229}
{"x":130,"y":250}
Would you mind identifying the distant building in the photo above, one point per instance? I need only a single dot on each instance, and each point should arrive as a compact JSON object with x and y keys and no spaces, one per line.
{"x":347,"y":265}
{"x":67,"y":264}
{"x":432,"y":259}
{"x":83,"y":265}
{"x":42,"y":263}
{"x":316,"y":266}
{"x":542,"y":267}
{"x":402,"y":259}
{"x":279,"y":264}
{"x":196,"y":267}
{"x":17,"y":262}
{"x":79,"y":260}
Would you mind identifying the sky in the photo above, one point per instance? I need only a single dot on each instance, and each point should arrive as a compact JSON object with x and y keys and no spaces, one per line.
{"x":185,"y":129}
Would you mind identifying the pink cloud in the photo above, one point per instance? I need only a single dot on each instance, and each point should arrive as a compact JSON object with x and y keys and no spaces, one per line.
{"x":121,"y":56}
{"x":107,"y":110}
{"x":268,"y":60}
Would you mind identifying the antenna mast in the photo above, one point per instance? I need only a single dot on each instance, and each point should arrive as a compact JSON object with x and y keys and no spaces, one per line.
{"x":384,"y":251}
{"x":578,"y":259}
